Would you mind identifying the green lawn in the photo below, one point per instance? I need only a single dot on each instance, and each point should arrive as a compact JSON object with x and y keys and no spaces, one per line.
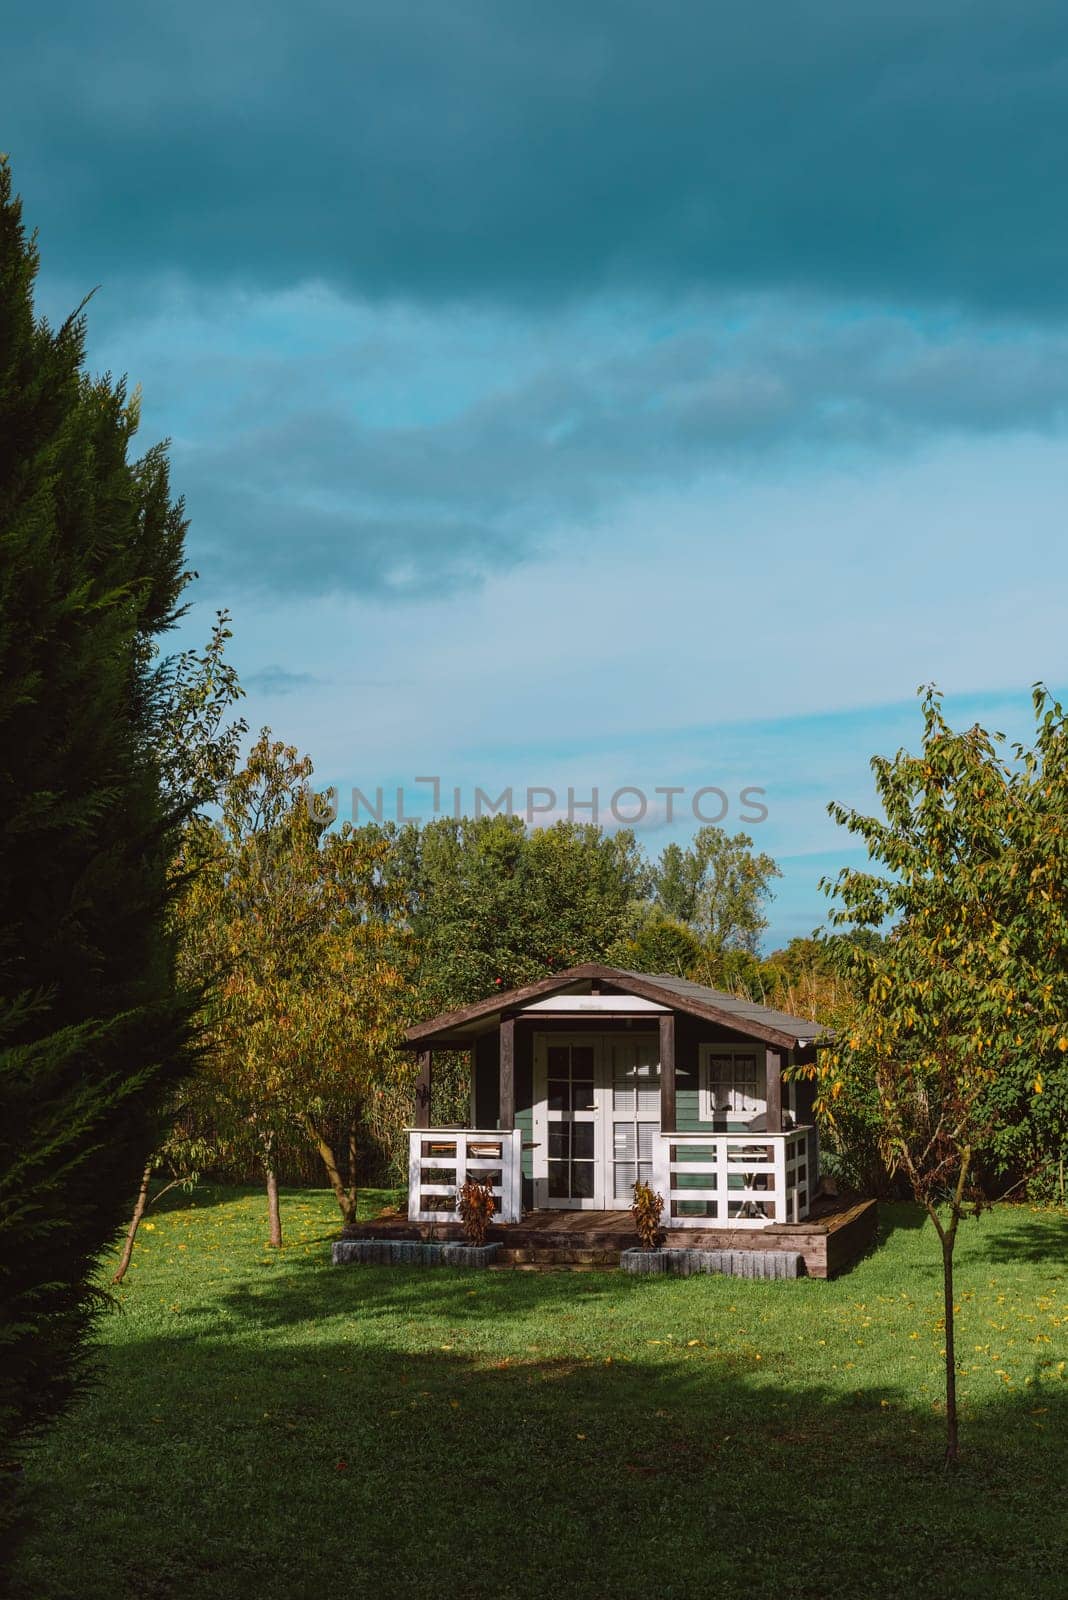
{"x":272,"y":1427}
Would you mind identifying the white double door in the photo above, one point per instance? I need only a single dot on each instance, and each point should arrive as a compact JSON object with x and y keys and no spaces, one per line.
{"x":596,"y":1116}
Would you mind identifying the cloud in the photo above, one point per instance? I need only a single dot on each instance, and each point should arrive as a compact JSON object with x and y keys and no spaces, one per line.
{"x":400,"y":460}
{"x":528,"y":155}
{"x":276,"y":680}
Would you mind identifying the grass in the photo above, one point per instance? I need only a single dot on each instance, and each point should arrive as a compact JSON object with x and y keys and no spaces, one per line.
{"x":265,"y":1425}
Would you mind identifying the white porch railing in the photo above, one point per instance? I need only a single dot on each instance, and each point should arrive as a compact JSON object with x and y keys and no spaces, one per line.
{"x":732,"y":1180}
{"x":440,"y":1160}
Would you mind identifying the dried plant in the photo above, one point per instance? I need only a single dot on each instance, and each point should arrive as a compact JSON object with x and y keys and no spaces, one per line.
{"x":476,"y":1205}
{"x":646,"y":1209}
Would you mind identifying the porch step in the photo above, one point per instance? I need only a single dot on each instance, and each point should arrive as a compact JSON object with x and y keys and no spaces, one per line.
{"x":555,"y":1256}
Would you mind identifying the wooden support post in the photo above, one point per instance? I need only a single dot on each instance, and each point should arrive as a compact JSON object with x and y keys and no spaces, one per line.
{"x":422,"y":1089}
{"x":506,"y":1120}
{"x":668,"y":1122}
{"x":776,"y":1061}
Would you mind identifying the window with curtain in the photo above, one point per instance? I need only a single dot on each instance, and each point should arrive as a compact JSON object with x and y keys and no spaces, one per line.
{"x":732,"y":1087}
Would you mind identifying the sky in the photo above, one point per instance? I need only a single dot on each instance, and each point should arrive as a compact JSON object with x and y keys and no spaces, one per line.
{"x":625,"y":396}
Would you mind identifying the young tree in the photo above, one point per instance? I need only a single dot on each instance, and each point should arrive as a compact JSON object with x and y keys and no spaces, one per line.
{"x":968,"y":994}
{"x":302,"y":1024}
{"x":179,"y":1159}
{"x":93,"y":1033}
{"x":198,"y":751}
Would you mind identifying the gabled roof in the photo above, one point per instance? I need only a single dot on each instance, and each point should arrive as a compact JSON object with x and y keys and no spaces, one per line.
{"x":693,"y":999}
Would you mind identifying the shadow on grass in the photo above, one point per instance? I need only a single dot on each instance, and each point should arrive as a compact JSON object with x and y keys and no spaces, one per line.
{"x":1002,"y":1235}
{"x":900,"y":1216}
{"x":288,"y":1469}
{"x":1033,"y":1236}
{"x":309,"y":1289}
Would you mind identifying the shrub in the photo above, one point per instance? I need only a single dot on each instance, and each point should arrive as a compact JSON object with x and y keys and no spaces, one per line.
{"x":476,"y":1205}
{"x":646,"y":1209}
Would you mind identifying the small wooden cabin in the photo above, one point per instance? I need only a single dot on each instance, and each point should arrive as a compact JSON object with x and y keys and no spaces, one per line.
{"x":594,"y":1078}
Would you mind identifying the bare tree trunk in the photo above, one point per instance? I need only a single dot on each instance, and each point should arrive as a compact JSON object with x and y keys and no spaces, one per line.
{"x":274,"y":1214}
{"x":346,"y":1200}
{"x":135,"y":1222}
{"x":352,"y":1167}
{"x":949,"y":1239}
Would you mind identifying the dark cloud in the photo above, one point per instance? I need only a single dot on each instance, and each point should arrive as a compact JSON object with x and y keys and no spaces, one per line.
{"x":300,"y":496}
{"x":523,"y":153}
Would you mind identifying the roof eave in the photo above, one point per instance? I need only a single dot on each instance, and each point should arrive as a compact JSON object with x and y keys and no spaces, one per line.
{"x":436,"y":1029}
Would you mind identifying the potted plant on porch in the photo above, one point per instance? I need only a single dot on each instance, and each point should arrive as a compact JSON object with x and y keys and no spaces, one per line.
{"x":646,"y":1209}
{"x":475,"y":1206}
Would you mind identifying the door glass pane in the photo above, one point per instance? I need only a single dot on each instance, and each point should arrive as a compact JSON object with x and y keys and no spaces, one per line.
{"x":582,"y":1141}
{"x":582,"y":1094}
{"x":582,"y":1180}
{"x":558,"y":1060}
{"x":558,"y":1180}
{"x":558,"y":1094}
{"x":559,"y":1160}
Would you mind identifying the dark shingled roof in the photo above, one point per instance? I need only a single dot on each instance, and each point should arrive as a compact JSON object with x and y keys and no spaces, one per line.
{"x":728,"y":1010}
{"x":735,"y":1004}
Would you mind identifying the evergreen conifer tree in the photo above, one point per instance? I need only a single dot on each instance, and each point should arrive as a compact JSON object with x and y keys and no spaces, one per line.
{"x":93,"y":1033}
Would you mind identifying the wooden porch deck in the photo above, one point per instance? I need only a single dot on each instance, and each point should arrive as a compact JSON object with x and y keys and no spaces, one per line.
{"x":834,"y":1234}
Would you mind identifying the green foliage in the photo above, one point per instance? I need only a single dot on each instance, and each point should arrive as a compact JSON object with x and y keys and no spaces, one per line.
{"x":493,"y":905}
{"x":718,"y":887}
{"x":958,"y":1036}
{"x":661,"y":944}
{"x":968,"y":993}
{"x":199,"y":748}
{"x":93,"y":1036}
{"x":475,"y":1203}
{"x":283,"y":925}
{"x":647,"y":1209}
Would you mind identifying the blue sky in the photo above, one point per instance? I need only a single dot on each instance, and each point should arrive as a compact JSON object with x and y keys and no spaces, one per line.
{"x":587,"y":395}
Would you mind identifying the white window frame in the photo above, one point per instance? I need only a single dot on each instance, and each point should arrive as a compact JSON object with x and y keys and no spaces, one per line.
{"x":744,"y":1107}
